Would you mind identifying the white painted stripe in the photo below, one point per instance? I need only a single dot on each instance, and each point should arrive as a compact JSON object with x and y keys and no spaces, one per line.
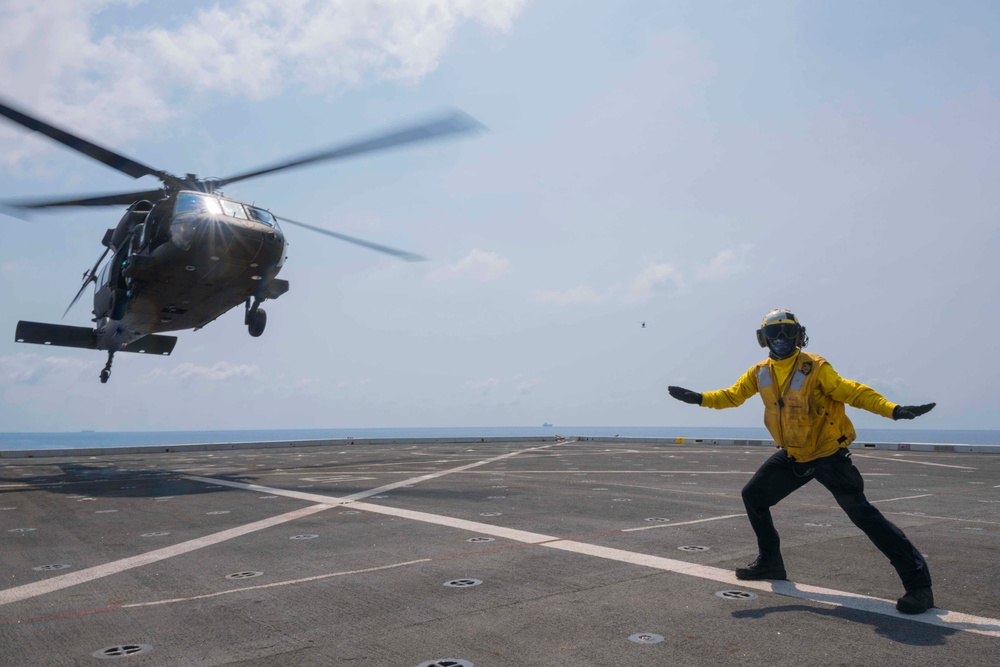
{"x":939,"y":617}
{"x":317,"y":577}
{"x":902,"y":460}
{"x":683,"y":523}
{"x":889,"y":500}
{"x":98,"y":571}
{"x":325,"y":502}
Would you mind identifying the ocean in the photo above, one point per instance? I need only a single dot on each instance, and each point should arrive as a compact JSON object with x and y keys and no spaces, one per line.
{"x":88,"y":439}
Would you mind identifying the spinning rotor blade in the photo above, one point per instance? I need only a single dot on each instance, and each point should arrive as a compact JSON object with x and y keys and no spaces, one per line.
{"x":125,"y":198}
{"x":88,"y":278}
{"x":110,"y":158}
{"x":454,"y":123}
{"x":402,"y":254}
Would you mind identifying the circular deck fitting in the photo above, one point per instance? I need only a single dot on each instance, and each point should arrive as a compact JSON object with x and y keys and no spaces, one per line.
{"x":218,"y":512}
{"x":84,"y":500}
{"x":736,"y":595}
{"x":463,"y":583}
{"x":159,"y":533}
{"x":105,"y":511}
{"x":820,"y":525}
{"x":122,"y":651}
{"x":20,"y":530}
{"x":480,"y":514}
{"x":351,"y":512}
{"x":975,"y":530}
{"x":495,"y":497}
{"x":446,"y":662}
{"x":691,"y":547}
{"x":267,"y":497}
{"x":7,"y":509}
{"x":380,"y":497}
{"x":621,"y":500}
{"x":477,"y":540}
{"x":646,"y":638}
{"x":600,"y":488}
{"x":50,"y":568}
{"x":658,"y":519}
{"x":307,"y":536}
{"x":250,"y":574}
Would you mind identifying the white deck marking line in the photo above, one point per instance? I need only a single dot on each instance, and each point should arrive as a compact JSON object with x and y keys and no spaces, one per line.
{"x":889,"y":500}
{"x":683,"y":523}
{"x":303,"y":580}
{"x":922,"y":463}
{"x":26,"y":591}
{"x":939,"y":617}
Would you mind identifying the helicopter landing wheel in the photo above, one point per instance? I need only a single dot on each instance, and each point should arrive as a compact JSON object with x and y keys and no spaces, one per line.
{"x":258,"y":320}
{"x":105,"y":374}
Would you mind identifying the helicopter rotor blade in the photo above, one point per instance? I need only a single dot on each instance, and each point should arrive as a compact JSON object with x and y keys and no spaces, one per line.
{"x":402,"y":254}
{"x":89,"y":277}
{"x":455,"y":122}
{"x":91,"y":150}
{"x":125,"y":198}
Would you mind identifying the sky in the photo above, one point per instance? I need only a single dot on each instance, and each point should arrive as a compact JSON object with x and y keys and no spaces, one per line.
{"x":690,"y":165}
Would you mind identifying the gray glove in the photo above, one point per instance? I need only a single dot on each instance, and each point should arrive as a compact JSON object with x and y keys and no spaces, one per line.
{"x":911,"y":411}
{"x":686,"y":395}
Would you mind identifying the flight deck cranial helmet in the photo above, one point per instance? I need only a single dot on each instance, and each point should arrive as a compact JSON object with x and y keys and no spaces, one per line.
{"x":781,"y":333}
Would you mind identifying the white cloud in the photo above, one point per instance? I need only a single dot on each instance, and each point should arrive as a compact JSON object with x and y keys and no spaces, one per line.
{"x":526,"y":386}
{"x":574,"y":295}
{"x":725,"y":263}
{"x":479,"y":265}
{"x":219,"y":371}
{"x":652,"y":280}
{"x":28,"y":368}
{"x":483,"y":385}
{"x":113,"y":85}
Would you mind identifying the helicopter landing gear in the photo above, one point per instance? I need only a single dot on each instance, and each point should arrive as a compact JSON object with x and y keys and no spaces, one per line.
{"x":256,"y":318}
{"x":106,"y":373}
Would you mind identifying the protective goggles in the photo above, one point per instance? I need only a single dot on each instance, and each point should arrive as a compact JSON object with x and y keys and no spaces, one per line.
{"x":786,"y":330}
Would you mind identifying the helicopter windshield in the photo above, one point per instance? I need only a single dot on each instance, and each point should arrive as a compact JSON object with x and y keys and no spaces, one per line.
{"x":260,"y":215}
{"x":233,"y":209}
{"x":190,"y":202}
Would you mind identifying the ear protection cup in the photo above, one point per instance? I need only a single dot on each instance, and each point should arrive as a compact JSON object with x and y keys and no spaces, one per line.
{"x":760,"y":337}
{"x":802,"y":339}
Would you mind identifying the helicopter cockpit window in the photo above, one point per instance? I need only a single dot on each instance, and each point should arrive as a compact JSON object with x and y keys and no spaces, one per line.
{"x":233,"y":209}
{"x":260,"y":215}
{"x":189,"y":202}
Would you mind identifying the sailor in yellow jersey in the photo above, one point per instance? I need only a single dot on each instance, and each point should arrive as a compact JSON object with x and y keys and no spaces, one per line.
{"x":804,"y":400}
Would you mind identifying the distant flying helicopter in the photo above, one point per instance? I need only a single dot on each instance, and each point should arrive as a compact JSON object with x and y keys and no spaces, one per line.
{"x":643,"y":325}
{"x":184,"y":254}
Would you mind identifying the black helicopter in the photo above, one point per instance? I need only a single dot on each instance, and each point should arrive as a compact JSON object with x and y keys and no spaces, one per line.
{"x":183,"y":254}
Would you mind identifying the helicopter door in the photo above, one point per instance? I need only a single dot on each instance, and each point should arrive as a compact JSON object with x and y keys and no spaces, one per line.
{"x":110,"y":295}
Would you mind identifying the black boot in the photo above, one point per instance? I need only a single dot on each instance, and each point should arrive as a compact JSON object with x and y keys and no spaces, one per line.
{"x":762,"y":568}
{"x":916,"y":601}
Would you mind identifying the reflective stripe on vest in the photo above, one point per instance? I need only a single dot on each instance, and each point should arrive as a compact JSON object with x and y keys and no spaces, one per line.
{"x":763,"y":377}
{"x":797,"y":379}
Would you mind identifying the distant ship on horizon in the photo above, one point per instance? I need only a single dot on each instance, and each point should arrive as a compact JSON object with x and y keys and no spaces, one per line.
{"x":546,"y":425}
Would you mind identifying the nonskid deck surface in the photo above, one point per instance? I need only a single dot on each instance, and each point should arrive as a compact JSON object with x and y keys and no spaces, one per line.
{"x":505,"y":553}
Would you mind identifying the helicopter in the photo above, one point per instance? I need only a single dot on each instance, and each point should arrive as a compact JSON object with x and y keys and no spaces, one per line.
{"x":184,"y":254}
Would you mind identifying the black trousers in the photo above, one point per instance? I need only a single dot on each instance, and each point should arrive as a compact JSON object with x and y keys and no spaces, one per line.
{"x":779,"y":476}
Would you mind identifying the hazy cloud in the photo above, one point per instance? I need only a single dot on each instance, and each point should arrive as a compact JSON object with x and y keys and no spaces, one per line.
{"x":28,"y":368}
{"x":483,"y":385}
{"x":115,"y":83}
{"x":653,"y":279}
{"x":574,"y":295}
{"x":725,"y":263}
{"x":219,"y":371}
{"x":525,"y":386}
{"x":479,"y":265}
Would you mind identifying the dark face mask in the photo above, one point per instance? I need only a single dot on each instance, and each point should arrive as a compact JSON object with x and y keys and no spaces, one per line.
{"x":781,"y":348}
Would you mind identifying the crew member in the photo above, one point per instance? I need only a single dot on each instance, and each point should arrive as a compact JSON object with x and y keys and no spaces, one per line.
{"x":804,"y":401}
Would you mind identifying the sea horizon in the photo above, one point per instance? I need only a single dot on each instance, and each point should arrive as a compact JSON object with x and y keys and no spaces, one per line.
{"x":29,"y":440}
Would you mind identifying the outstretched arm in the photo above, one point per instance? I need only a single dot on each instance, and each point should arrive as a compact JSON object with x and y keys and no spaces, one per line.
{"x":744,"y":388}
{"x":864,"y":397}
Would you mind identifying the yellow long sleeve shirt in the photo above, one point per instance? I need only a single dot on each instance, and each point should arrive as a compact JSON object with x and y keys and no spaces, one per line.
{"x":836,"y":388}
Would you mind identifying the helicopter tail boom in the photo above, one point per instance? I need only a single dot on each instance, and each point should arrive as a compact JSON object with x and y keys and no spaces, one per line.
{"x":61,"y":335}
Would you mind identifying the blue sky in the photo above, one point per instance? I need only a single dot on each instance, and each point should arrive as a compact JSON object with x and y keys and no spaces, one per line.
{"x":691,"y":165}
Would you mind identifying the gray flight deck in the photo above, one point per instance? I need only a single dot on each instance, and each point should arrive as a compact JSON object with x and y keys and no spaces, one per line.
{"x":484,"y":552}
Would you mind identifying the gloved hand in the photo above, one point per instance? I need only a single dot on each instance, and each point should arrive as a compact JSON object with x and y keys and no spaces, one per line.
{"x":686,"y":395}
{"x":911,"y":411}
